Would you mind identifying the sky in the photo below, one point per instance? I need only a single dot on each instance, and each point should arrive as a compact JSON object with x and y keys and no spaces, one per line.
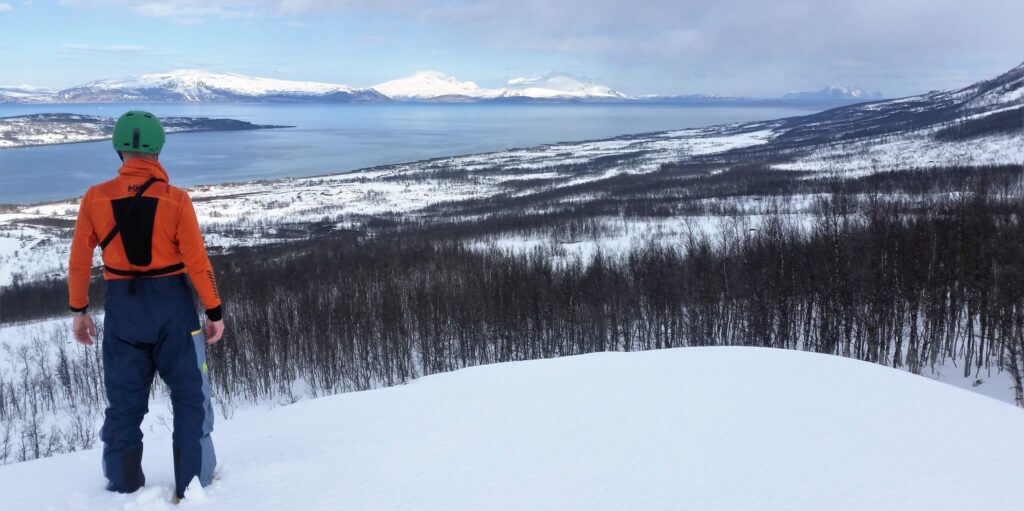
{"x":729,"y":47}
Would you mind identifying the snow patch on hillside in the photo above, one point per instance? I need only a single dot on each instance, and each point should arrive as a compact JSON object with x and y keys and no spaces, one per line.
{"x":915,"y":150}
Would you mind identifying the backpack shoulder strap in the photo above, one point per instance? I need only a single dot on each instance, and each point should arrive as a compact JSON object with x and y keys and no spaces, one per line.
{"x":131,"y":209}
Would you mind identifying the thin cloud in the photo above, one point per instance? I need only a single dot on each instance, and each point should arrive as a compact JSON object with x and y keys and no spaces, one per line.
{"x":95,"y":49}
{"x":185,"y":12}
{"x":4,"y":7}
{"x":118,"y":52}
{"x":191,"y":10}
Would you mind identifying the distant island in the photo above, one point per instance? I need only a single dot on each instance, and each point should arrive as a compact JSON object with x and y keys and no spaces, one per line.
{"x":62,"y":128}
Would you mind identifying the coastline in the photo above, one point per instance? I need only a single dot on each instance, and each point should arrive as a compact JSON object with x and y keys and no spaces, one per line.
{"x":105,"y":137}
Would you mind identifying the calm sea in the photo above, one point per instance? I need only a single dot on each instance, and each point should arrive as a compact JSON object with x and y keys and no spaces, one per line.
{"x":336,"y":138}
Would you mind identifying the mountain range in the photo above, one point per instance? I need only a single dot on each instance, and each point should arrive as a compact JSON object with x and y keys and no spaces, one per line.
{"x":197,"y":86}
{"x":190,"y":86}
{"x":989,"y":107}
{"x":439,"y":87}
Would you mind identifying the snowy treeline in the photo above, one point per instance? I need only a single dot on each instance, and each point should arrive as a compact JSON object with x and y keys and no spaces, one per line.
{"x":51,"y":397}
{"x":883,"y":280}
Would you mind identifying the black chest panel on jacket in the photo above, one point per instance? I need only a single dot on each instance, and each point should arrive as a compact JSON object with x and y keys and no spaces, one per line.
{"x":136,"y":224}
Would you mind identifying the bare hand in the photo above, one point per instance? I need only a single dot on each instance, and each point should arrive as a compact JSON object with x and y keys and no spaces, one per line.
{"x":214,"y":331}
{"x":83,"y":328}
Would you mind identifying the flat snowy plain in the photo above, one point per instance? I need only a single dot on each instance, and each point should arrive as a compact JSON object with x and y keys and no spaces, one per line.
{"x":690,"y":428}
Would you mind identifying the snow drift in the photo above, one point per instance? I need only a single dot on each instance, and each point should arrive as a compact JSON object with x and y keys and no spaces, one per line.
{"x":690,"y":428}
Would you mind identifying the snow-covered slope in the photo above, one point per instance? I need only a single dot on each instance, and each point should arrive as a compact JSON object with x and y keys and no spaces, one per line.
{"x":834,"y":92}
{"x":691,"y":428}
{"x":1004,"y":92}
{"x":189,"y":85}
{"x":966,"y":126}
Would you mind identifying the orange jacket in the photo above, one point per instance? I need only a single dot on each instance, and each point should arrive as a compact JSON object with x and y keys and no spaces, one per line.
{"x":175,"y":234}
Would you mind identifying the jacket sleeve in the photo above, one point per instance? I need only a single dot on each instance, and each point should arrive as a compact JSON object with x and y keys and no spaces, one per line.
{"x":83,"y":243}
{"x":197,"y":263}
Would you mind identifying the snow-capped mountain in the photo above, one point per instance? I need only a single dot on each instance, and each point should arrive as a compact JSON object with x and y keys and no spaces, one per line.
{"x":835,"y":92}
{"x":195,"y":86}
{"x":435,"y":86}
{"x":24,"y":94}
{"x":559,"y":86}
{"x":703,"y":100}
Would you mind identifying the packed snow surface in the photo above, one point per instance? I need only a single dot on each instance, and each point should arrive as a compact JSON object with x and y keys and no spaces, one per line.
{"x":692,"y":428}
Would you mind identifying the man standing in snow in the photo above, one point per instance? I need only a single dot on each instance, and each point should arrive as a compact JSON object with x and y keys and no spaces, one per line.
{"x":152,"y":248}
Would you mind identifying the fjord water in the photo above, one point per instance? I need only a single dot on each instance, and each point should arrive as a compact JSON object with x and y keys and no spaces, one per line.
{"x":331,"y":138}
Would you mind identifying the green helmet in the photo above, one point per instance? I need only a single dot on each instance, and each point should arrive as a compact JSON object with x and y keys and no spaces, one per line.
{"x":138,"y":132}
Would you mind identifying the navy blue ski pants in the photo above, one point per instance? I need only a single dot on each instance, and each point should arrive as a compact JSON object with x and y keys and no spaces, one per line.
{"x":151,"y":326}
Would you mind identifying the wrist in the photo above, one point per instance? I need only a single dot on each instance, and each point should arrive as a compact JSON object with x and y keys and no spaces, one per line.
{"x":215,"y":314}
{"x":79,"y":310}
